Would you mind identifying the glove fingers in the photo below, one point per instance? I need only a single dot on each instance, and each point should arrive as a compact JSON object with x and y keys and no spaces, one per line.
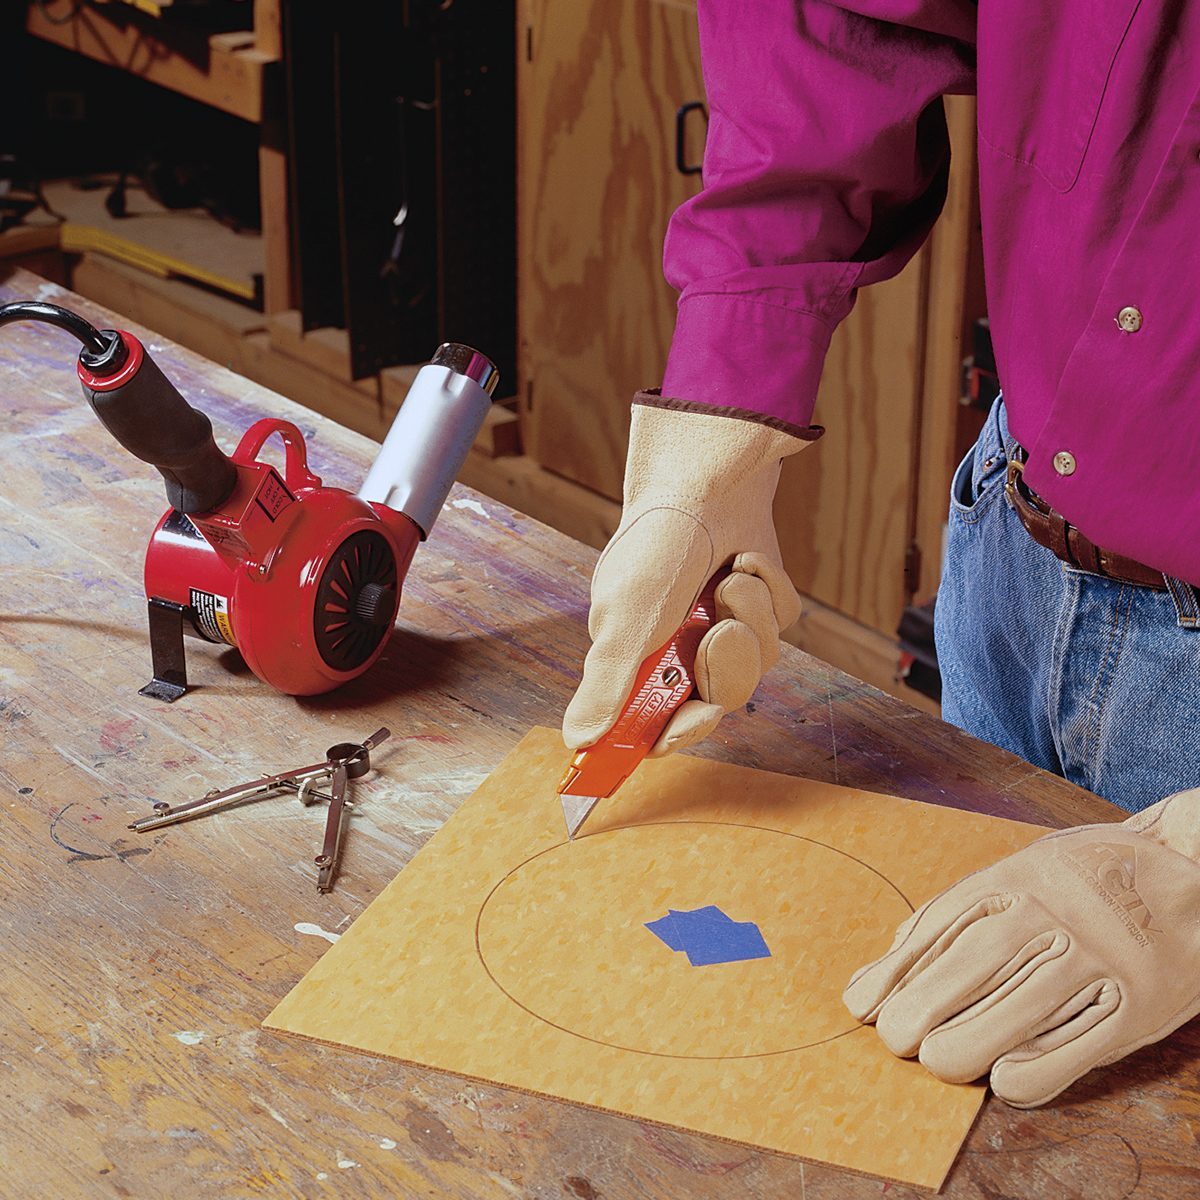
{"x":1047,"y":992}
{"x":1035,"y":1073}
{"x":692,"y":723}
{"x":986,"y":959}
{"x":643,"y":587}
{"x":747,"y":599}
{"x":924,"y":937}
{"x":728,"y":665}
{"x":785,"y":600}
{"x":1173,"y":822}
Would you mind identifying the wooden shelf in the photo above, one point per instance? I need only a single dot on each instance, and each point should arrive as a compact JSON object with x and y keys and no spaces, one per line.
{"x":28,"y":239}
{"x":226,"y":70}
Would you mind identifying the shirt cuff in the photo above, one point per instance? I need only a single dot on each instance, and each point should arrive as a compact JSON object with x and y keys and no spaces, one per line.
{"x":763,"y":360}
{"x":653,"y":398}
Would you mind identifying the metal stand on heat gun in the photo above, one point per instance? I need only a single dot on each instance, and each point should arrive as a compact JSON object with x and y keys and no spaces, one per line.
{"x":303,"y":579}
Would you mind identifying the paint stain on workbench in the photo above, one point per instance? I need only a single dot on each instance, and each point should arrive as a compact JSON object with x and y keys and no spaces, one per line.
{"x":431,"y":1136}
{"x":658,"y":1141}
{"x":119,"y":737}
{"x":313,"y":931}
{"x":580,"y":1187}
{"x":10,"y":713}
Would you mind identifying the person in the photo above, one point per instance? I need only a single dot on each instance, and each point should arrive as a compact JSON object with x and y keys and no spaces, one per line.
{"x":1068,"y":620}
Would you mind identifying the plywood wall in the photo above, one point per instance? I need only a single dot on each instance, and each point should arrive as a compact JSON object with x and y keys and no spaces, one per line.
{"x":599,"y":87}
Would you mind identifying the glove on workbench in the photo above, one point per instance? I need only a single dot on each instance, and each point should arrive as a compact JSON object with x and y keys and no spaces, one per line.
{"x":698,"y":494}
{"x":1068,"y":955}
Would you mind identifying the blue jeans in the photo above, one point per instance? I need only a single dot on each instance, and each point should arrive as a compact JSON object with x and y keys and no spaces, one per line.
{"x":1095,"y":680}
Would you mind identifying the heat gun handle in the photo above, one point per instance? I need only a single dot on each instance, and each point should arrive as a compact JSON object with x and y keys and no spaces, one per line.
{"x":144,"y":411}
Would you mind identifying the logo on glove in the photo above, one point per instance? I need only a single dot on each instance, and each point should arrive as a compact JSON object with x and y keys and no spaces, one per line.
{"x":1108,"y":869}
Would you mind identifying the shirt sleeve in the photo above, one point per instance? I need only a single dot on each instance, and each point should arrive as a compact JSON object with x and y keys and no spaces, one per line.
{"x":825,"y":168}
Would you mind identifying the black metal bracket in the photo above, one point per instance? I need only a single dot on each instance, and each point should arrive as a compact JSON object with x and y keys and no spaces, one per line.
{"x":681,"y":116}
{"x":166,"y":650}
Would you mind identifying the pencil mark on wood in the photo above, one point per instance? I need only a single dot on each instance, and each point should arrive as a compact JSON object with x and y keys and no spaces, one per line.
{"x":120,"y":851}
{"x":1137,"y":1166}
{"x":116,"y":850}
{"x":832,"y":734}
{"x":77,"y":855}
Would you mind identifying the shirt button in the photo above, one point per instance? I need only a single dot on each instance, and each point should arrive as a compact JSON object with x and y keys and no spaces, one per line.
{"x":1130,"y":319}
{"x":1064,"y":462}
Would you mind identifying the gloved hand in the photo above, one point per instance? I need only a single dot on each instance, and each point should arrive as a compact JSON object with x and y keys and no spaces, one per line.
{"x":1067,"y":955}
{"x":698,"y":494}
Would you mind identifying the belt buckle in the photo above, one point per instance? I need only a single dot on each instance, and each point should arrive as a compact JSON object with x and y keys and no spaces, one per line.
{"x":1019,"y":492}
{"x":1012,"y":480}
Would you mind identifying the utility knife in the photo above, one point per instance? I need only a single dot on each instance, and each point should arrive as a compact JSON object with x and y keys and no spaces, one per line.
{"x":664,"y":681}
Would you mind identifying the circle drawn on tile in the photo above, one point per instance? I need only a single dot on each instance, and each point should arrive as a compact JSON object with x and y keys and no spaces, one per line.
{"x":563,"y":936}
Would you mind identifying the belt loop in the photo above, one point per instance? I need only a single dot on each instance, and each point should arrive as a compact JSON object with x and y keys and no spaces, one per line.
{"x":1007,"y":443}
{"x":1187,"y":604}
{"x":989,"y":449}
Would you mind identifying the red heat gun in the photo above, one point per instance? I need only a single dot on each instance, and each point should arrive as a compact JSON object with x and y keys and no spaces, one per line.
{"x":303,"y":579}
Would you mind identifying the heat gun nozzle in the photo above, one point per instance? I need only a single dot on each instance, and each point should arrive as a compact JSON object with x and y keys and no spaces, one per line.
{"x":468,"y":361}
{"x":432,"y":433}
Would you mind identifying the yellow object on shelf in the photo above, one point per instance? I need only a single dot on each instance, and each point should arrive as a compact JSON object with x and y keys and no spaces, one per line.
{"x":504,"y":953}
{"x":149,"y":7}
{"x":79,"y":239}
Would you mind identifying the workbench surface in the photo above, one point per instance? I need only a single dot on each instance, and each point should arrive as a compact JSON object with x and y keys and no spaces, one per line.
{"x":138,"y":968}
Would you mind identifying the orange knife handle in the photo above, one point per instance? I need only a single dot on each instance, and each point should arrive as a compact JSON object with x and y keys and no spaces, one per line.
{"x":663,"y":682}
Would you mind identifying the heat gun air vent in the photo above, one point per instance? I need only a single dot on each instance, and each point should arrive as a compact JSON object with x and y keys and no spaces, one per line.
{"x":356,"y":601}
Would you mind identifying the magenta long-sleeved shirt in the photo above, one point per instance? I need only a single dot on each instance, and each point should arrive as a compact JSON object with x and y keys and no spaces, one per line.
{"x":826,"y":166}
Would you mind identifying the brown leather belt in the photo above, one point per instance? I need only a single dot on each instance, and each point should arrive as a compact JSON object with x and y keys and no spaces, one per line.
{"x":1063,"y":540}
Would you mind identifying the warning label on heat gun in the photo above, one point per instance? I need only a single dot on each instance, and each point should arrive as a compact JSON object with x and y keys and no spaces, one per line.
{"x":211,"y":615}
{"x":273,"y":497}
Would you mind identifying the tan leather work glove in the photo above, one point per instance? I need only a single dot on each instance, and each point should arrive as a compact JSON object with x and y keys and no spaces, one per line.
{"x":698,"y":494}
{"x":1068,"y":955}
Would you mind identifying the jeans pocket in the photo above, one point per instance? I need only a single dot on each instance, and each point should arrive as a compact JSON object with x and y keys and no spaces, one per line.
{"x":978,"y":481}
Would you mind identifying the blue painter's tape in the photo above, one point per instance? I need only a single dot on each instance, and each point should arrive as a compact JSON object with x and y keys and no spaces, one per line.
{"x":707,"y":936}
{"x":664,"y":930}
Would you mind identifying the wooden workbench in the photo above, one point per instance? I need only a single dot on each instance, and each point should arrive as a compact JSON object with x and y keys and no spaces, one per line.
{"x":137,"y":970}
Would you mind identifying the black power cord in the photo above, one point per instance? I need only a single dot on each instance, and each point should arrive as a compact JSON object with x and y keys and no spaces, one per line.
{"x":103,"y":351}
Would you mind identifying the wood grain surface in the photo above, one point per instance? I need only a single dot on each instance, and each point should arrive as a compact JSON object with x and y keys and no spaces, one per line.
{"x":138,"y":968}
{"x":599,"y":86}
